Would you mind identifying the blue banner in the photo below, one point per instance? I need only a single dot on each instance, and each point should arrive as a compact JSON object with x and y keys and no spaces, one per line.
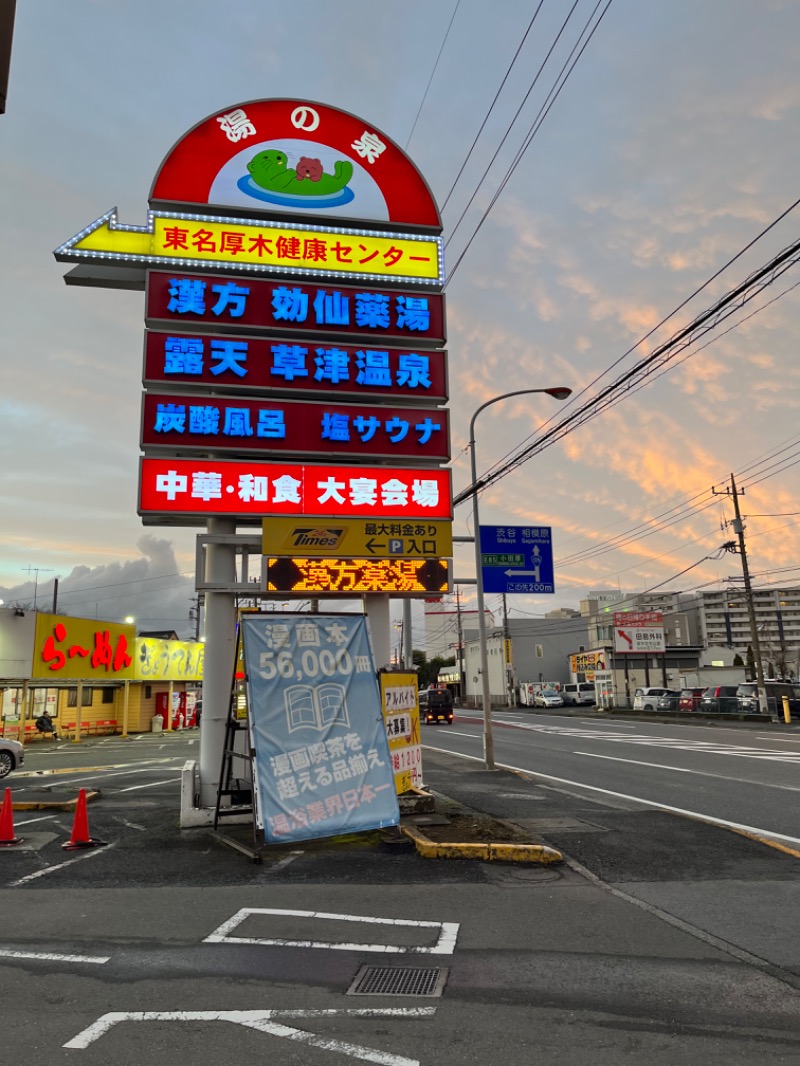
{"x":322,"y":763}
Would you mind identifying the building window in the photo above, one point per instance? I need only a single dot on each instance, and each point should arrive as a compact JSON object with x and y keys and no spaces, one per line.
{"x":108,"y":695}
{"x":72,"y":697}
{"x":148,"y":692}
{"x":540,"y":651}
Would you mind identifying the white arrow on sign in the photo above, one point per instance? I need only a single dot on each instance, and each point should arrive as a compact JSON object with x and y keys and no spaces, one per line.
{"x":524,"y":573}
{"x":262,"y":1021}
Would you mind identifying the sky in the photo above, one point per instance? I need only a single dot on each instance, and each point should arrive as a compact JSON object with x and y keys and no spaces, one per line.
{"x":669,"y":150}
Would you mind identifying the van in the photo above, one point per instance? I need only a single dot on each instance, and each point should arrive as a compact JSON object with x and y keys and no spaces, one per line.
{"x":747,"y":695}
{"x":437,"y":706}
{"x":578,"y":693}
{"x":646,"y":699}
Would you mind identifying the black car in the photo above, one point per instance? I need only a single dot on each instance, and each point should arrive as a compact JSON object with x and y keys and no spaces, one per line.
{"x":668,"y":702}
{"x":436,"y":705}
{"x":720,"y":699}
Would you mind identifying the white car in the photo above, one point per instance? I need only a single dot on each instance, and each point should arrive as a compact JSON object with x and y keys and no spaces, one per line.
{"x":12,"y":755}
{"x":547,"y":698}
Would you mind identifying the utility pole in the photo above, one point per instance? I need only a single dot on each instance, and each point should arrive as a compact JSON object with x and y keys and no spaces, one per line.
{"x":461,"y":686}
{"x":738,"y":529}
{"x":506,"y":643}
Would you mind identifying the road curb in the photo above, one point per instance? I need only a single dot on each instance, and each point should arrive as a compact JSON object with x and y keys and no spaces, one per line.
{"x":526,"y":853}
{"x":52,"y":805}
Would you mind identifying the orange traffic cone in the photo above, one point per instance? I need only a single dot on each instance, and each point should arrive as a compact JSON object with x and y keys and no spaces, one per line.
{"x":7,"y":838}
{"x":80,"y":828}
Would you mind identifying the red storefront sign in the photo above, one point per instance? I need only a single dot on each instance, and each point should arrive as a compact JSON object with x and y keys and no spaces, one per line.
{"x":192,"y":489}
{"x":241,"y":302}
{"x":236,"y":424}
{"x":297,"y":365}
{"x":295,"y":157}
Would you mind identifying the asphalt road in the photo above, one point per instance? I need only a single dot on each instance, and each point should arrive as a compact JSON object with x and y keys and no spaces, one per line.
{"x":748,"y":776}
{"x":166,"y":945}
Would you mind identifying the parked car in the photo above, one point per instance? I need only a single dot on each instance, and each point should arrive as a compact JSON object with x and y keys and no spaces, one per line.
{"x":668,"y":702}
{"x":720,"y":699}
{"x":747,"y":695}
{"x":578,"y":693}
{"x":12,"y":756}
{"x":547,"y":698}
{"x":689,"y":699}
{"x":645,"y":699}
{"x":436,"y":705}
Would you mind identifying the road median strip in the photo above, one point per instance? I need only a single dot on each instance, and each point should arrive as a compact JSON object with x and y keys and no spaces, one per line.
{"x":486,"y":852}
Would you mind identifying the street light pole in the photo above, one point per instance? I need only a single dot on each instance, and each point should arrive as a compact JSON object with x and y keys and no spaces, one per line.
{"x":488,"y":739}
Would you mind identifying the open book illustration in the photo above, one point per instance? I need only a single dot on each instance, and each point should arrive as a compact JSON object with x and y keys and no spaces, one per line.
{"x":315,"y":708}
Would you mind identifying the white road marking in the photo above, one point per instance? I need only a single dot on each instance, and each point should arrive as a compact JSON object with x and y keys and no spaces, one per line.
{"x":678,"y":743}
{"x":445,"y":945}
{"x":150,"y":784}
{"x":472,"y":736}
{"x":7,"y":953}
{"x":684,"y":770}
{"x":781,"y":740}
{"x":527,"y":772}
{"x":131,"y":825}
{"x":43,"y":818}
{"x":59,"y":866}
{"x":286,"y":861}
{"x":261,"y":1020}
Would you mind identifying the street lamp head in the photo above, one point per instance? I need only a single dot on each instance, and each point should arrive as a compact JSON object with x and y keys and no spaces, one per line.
{"x":558,"y":393}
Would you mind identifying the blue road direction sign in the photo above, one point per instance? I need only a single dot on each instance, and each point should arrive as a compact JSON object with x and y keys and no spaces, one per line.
{"x":517,"y":559}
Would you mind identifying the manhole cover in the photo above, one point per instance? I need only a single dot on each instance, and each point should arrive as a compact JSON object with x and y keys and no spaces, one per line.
{"x":398,"y":981}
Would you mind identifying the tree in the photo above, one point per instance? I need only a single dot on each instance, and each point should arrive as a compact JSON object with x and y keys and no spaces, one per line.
{"x":750,"y":668}
{"x":738,"y":660}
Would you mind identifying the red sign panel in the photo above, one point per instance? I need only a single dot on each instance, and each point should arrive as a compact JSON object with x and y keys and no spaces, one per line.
{"x":638,"y":618}
{"x":296,"y":157}
{"x":235,"y":424}
{"x":280,"y":365}
{"x":202,"y":487}
{"x":248,"y":303}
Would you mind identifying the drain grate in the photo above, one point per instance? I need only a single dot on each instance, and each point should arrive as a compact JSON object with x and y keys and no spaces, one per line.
{"x":398,"y":981}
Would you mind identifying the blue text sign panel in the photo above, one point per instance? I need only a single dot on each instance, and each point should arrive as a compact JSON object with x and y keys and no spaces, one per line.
{"x":517,"y":559}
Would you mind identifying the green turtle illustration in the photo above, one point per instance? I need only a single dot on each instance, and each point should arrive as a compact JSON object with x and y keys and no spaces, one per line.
{"x":269,"y":171}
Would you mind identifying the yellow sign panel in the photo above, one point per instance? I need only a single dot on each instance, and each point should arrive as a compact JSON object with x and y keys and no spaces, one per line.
{"x":171,"y":238}
{"x":82,"y":649}
{"x":507,"y":649}
{"x":586,"y":662}
{"x":168,"y":660}
{"x":352,"y":577}
{"x":400,"y":703}
{"x":332,"y":538}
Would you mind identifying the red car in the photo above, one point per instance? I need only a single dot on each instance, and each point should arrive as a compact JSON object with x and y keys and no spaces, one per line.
{"x":689,"y":699}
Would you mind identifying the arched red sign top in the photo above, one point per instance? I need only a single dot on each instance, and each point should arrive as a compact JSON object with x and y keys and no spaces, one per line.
{"x":294,"y":157}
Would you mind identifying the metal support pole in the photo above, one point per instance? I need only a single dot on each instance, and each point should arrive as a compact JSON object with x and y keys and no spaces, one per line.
{"x":126,"y":693}
{"x":220,"y":651}
{"x":78,"y":713}
{"x":376,"y":607}
{"x":408,"y":636}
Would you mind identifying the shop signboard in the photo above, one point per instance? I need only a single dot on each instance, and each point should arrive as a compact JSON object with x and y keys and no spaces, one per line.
{"x":177,"y":239}
{"x":322,"y":764}
{"x":351,"y":537}
{"x":168,"y":660}
{"x":586,"y":663}
{"x":639,"y":632}
{"x":186,"y":301}
{"x":356,"y":577}
{"x":82,"y":649}
{"x":186,"y":423}
{"x":400,"y":703}
{"x":294,"y":366}
{"x":188,"y":490}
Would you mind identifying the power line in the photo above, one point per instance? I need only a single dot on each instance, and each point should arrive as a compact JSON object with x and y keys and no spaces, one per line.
{"x":491,"y":106}
{"x":430,"y":79}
